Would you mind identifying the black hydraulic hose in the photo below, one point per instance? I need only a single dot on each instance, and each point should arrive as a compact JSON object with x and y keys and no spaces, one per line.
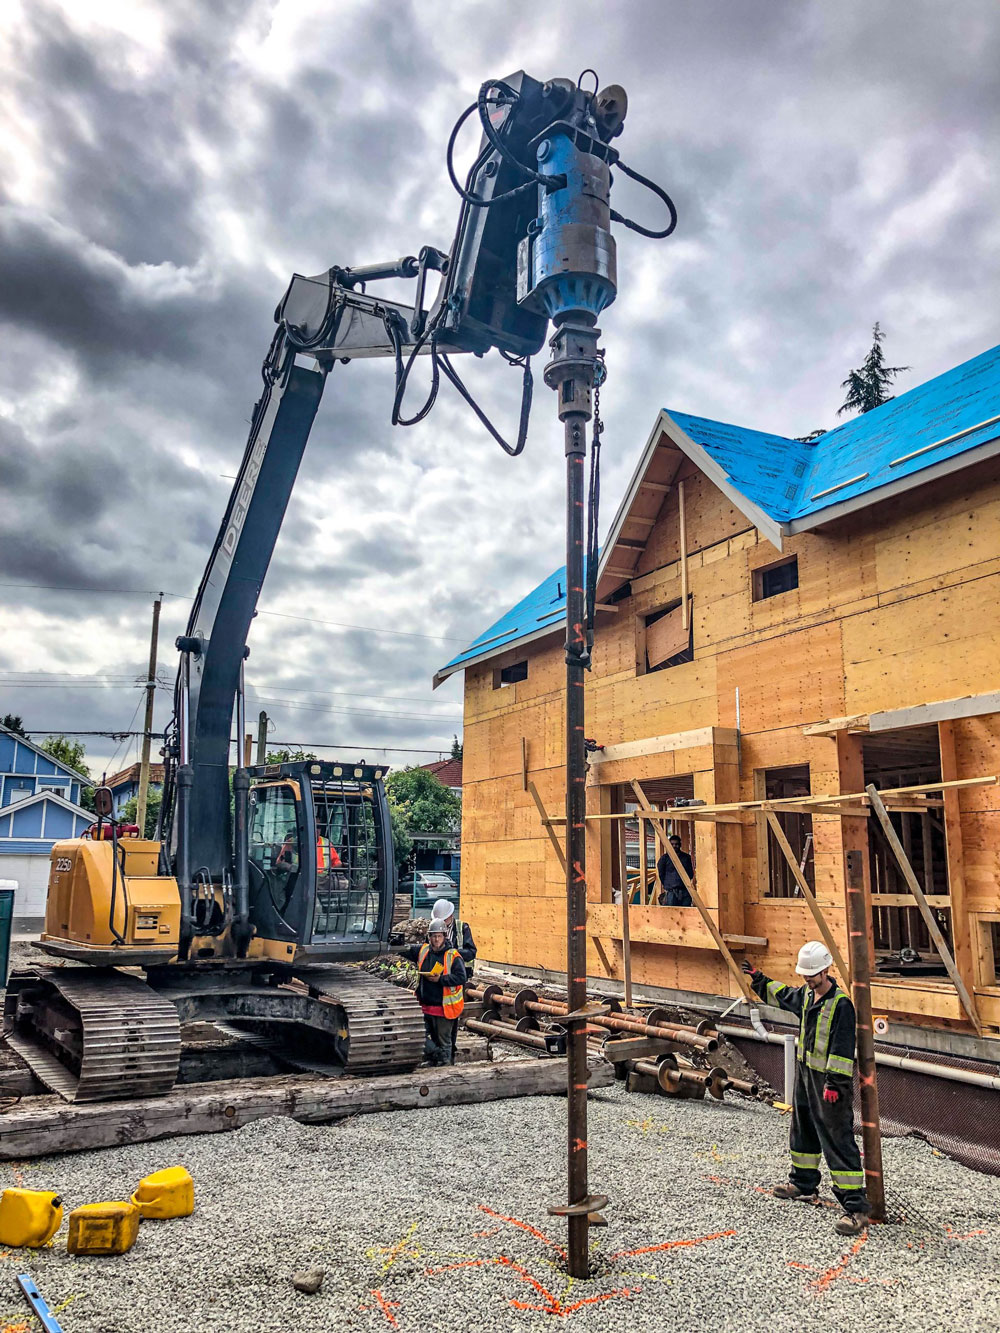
{"x":660,"y":193}
{"x":527,"y":389}
{"x":114,"y":884}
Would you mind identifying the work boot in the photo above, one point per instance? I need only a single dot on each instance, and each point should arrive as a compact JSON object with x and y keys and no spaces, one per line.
{"x":851,"y":1224}
{"x":790,"y":1191}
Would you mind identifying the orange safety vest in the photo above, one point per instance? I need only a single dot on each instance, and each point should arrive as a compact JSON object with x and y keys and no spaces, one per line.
{"x":326,"y":854}
{"x":453,"y":997}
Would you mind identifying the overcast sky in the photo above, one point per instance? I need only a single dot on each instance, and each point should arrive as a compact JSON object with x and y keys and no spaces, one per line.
{"x":164,"y":168}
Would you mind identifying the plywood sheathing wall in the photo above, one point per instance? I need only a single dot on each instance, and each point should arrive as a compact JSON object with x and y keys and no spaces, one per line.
{"x":895,"y":607}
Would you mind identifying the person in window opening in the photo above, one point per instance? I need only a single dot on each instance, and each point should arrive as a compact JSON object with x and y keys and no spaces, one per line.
{"x":673,"y":890}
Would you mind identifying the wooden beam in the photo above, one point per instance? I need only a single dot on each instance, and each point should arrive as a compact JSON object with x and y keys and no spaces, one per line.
{"x":43,"y":1125}
{"x":643,"y":870}
{"x":631,"y":543}
{"x":619,"y":573}
{"x":610,"y":607}
{"x":661,"y":488}
{"x":913,"y":884}
{"x":603,"y":956}
{"x":748,"y":994}
{"x":524,"y":763}
{"x":907,"y":900}
{"x":810,"y":897}
{"x":859,"y":722}
{"x":971,"y":705}
{"x":547,"y":825}
{"x":682,"y":521}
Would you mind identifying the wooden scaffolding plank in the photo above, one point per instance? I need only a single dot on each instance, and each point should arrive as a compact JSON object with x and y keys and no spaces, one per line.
{"x":933,"y":929}
{"x":810,"y":897}
{"x":547,"y":824}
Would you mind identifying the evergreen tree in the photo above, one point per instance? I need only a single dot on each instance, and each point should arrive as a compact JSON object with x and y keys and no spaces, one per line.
{"x":13,"y":722}
{"x":869,"y":385}
{"x":456,"y":748}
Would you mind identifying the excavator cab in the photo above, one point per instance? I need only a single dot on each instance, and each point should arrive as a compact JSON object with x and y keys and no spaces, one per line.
{"x":322,"y":873}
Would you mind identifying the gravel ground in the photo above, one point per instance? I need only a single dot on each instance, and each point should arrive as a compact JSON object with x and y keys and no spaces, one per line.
{"x":429,"y":1221}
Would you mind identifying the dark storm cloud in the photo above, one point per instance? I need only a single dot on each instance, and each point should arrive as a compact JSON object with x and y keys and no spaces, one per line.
{"x":832,"y":165}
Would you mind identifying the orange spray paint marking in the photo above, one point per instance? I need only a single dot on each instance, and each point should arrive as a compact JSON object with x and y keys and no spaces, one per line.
{"x":385,"y":1306}
{"x":839,"y":1269}
{"x":523,"y":1226}
{"x":961,"y":1235}
{"x":671,"y":1245}
{"x":579,"y":1145}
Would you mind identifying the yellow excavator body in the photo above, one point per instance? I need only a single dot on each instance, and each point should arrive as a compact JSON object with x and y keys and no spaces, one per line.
{"x":92,"y":906}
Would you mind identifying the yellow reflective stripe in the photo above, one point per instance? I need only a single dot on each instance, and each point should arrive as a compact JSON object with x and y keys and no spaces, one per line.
{"x":805,"y":1159}
{"x":848,"y":1179}
{"x":839,"y":1064}
{"x":822,"y":1044}
{"x":801,"y":1043}
{"x":773,"y":989}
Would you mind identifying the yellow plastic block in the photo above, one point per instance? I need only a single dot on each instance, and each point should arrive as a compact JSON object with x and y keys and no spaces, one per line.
{"x":29,"y":1217}
{"x":103,"y":1228}
{"x":168,"y":1193}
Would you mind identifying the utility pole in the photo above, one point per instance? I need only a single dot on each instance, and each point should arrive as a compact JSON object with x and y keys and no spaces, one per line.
{"x":262,"y":737}
{"x":140,"y":815}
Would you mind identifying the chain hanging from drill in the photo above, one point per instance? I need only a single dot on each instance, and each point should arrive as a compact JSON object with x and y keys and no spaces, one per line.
{"x":593,"y":511}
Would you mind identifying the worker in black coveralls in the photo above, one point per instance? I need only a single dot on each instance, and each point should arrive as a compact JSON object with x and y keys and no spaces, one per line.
{"x":441,"y":976}
{"x":823,"y":1110}
{"x":673,"y":890}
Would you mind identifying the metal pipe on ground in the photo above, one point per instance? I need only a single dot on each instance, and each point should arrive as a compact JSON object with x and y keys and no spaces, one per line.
{"x":702,"y":1041}
{"x":536,"y":1041}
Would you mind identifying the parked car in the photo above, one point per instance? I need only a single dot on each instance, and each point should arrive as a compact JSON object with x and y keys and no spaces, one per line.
{"x":424,"y":887}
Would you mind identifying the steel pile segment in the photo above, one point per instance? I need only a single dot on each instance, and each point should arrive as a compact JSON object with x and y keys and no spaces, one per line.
{"x":858,"y":918}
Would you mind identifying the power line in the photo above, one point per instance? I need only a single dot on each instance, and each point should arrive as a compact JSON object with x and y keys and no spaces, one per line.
{"x":283,"y":615}
{"x":357,"y":712}
{"x":274,"y":745}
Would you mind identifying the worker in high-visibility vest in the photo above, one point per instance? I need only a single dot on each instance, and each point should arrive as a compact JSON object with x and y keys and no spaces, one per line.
{"x":459,"y":937}
{"x":327,"y":856}
{"x":441,"y":976}
{"x":823,"y":1104}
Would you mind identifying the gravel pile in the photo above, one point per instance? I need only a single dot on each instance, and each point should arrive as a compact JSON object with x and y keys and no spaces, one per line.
{"x":436,"y":1221}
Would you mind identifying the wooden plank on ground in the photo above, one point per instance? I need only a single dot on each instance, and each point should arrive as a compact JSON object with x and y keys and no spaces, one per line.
{"x":43,"y":1125}
{"x":933,"y":929}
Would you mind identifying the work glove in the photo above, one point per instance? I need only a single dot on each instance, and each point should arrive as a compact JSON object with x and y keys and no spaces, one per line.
{"x":749,"y":968}
{"x":831,"y":1095}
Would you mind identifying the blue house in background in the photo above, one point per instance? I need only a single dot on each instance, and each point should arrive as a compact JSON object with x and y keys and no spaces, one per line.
{"x":39,"y":806}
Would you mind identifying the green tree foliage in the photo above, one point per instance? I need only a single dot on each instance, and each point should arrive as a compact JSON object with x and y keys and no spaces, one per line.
{"x":419,"y":803}
{"x":869,"y":385}
{"x":456,"y":748}
{"x":72,"y":753}
{"x":154,"y":799}
{"x":287,"y":756}
{"x":13,"y":722}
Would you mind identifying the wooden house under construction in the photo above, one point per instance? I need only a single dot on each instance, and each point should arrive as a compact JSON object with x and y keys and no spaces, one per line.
{"x":781,"y":624}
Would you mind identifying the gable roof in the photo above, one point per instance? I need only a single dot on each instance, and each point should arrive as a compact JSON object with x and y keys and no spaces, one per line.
{"x":49,"y":758}
{"x":782,"y":485}
{"x":54,"y":798}
{"x":131,"y":774}
{"x":448,"y":771}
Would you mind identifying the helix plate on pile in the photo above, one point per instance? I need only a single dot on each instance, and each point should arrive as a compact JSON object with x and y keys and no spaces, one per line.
{"x":385,"y":1024}
{"x":130,"y":1036}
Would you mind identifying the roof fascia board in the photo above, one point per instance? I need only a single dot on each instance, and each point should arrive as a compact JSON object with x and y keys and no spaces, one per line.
{"x":891,"y":489}
{"x":48,"y":795}
{"x":445,"y":672}
{"x":772,"y":529}
{"x":631,"y":491}
{"x":44,"y":754}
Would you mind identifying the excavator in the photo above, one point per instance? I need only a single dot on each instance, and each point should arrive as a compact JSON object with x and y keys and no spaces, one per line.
{"x":262,"y":889}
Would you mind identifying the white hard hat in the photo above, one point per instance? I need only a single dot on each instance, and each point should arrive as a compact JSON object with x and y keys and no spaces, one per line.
{"x":813,"y":957}
{"x":442,"y":910}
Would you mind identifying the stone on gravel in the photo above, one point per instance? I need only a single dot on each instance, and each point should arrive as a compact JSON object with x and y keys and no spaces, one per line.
{"x":309,"y":1280}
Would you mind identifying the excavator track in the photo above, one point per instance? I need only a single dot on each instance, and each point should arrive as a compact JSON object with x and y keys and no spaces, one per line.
{"x":385,"y":1026}
{"x":93,"y":1034}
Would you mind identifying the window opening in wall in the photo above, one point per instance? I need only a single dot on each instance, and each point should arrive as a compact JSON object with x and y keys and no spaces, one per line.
{"x":510,"y":675}
{"x":989,"y":950}
{"x":780,"y":784}
{"x":771,"y":580}
{"x":666,"y":642}
{"x":903,"y":946}
{"x":626,"y":851}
